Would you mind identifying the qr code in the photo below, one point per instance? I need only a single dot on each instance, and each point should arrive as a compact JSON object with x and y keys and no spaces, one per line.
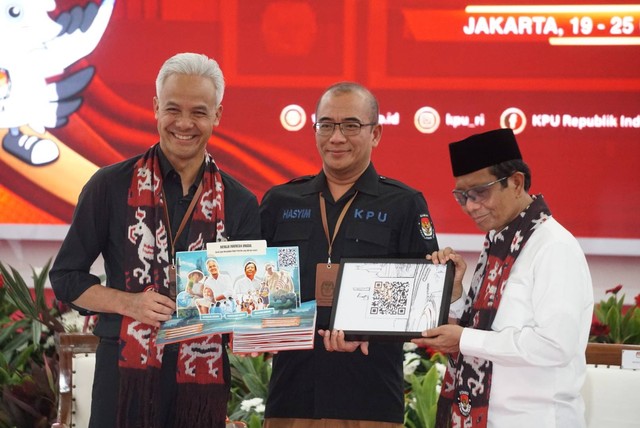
{"x":389,"y":298}
{"x":287,"y":257}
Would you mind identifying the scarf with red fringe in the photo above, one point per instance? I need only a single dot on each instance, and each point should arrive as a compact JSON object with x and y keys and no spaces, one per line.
{"x":464,"y":397}
{"x":202,"y":394}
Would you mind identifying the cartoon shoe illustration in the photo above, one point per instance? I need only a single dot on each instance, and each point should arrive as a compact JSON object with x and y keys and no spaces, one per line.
{"x":36,"y":52}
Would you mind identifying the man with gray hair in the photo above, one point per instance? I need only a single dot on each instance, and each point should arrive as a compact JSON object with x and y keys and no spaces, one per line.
{"x":277,"y":280}
{"x":137,"y":214}
{"x":219,"y":282}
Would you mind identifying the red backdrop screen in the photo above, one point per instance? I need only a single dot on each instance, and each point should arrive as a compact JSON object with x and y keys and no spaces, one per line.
{"x":565,"y":77}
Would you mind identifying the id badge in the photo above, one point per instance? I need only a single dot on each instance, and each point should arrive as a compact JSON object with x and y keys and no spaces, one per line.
{"x":326,"y":277}
{"x":172,"y":282}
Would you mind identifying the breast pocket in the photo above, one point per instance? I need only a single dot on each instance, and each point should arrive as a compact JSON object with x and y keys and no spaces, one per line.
{"x":293,"y":233}
{"x":367,"y":240}
{"x":515,"y":308}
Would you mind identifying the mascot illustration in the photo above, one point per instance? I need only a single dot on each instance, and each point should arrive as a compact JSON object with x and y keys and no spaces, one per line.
{"x":36,"y":49}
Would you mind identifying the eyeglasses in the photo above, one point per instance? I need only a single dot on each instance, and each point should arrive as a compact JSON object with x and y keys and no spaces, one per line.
{"x":348,"y":129}
{"x":476,"y":194}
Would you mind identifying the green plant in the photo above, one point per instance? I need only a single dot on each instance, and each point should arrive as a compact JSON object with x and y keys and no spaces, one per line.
{"x":249,"y":387}
{"x":614,"y":322}
{"x":423,"y":372}
{"x":27,"y":359}
{"x":423,"y":376}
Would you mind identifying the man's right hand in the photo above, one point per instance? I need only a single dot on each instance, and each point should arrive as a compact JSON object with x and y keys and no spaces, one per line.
{"x":443,"y":256}
{"x":149,"y":307}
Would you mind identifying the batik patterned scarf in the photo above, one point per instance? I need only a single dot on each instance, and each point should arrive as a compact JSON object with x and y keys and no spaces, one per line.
{"x":202,"y":393}
{"x":466,"y":387}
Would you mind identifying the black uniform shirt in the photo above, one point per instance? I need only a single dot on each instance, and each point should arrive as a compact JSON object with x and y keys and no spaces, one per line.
{"x":386,"y":219}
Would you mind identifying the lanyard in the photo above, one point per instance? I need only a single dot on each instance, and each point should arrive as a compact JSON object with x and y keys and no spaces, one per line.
{"x":185,"y":218}
{"x":323,"y":213}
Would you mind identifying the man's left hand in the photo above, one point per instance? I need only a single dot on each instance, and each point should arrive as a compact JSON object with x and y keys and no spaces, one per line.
{"x":334,"y":341}
{"x":444,"y":339}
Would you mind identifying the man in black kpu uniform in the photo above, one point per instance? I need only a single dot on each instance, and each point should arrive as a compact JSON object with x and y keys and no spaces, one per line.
{"x":347,"y":210}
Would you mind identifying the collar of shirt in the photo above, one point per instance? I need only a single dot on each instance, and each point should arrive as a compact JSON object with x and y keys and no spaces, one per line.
{"x":177,"y":203}
{"x":172,"y":182}
{"x":367,"y":183}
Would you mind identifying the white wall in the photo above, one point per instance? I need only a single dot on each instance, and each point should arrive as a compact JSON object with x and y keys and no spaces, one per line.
{"x":606,"y":271}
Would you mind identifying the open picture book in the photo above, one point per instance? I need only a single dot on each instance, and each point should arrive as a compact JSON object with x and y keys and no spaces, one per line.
{"x":245,"y":289}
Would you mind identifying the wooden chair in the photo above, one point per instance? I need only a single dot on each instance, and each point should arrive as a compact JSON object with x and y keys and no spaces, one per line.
{"x":77,"y":360}
{"x":76,"y":352}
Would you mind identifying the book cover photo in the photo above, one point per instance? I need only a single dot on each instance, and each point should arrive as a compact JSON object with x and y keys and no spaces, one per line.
{"x":244,"y":288}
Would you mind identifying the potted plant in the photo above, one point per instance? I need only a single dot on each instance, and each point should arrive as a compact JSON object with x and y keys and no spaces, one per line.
{"x":27,"y":360}
{"x":615,"y":326}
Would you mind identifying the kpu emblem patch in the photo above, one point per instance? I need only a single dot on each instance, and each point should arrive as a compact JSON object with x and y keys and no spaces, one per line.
{"x":464,"y":403}
{"x":426,"y":227}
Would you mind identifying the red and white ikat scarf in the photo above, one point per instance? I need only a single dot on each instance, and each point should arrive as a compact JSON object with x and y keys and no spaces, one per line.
{"x":200,"y":361}
{"x":466,"y":387}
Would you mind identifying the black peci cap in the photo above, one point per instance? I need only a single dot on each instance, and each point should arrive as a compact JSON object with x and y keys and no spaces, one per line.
{"x":483,"y":150}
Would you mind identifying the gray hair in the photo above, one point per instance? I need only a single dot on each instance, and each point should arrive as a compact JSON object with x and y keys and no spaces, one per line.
{"x":192,"y":64}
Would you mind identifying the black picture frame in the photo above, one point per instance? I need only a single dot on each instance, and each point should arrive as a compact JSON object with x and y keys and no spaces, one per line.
{"x":386,"y":299}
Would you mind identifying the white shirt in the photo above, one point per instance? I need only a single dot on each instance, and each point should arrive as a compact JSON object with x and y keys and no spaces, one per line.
{"x":220,"y":285}
{"x":539,"y":336}
{"x":196,"y":288}
{"x":244,"y":285}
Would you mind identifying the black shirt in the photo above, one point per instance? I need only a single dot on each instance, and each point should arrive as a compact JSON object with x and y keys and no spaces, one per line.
{"x":386,"y":219}
{"x":98,"y":227}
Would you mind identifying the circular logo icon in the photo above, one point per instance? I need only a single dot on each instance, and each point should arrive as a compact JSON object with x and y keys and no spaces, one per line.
{"x":513,"y":118}
{"x":293,"y":117}
{"x":426,"y":120}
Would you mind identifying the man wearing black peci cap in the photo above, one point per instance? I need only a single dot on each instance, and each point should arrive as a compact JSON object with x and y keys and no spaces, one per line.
{"x":517,"y":350}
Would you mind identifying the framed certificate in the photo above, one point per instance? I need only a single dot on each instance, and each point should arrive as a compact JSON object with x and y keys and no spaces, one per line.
{"x":391,"y":299}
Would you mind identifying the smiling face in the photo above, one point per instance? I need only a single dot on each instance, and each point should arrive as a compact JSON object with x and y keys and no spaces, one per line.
{"x":186,"y":112}
{"x":250,"y":270}
{"x":501,"y":205}
{"x":212,"y":267}
{"x":345,"y":158}
{"x":196,"y":276}
{"x":207,"y":293}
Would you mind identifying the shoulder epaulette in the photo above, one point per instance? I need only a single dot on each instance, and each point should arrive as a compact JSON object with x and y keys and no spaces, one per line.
{"x":393,"y":182}
{"x":301,"y":179}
